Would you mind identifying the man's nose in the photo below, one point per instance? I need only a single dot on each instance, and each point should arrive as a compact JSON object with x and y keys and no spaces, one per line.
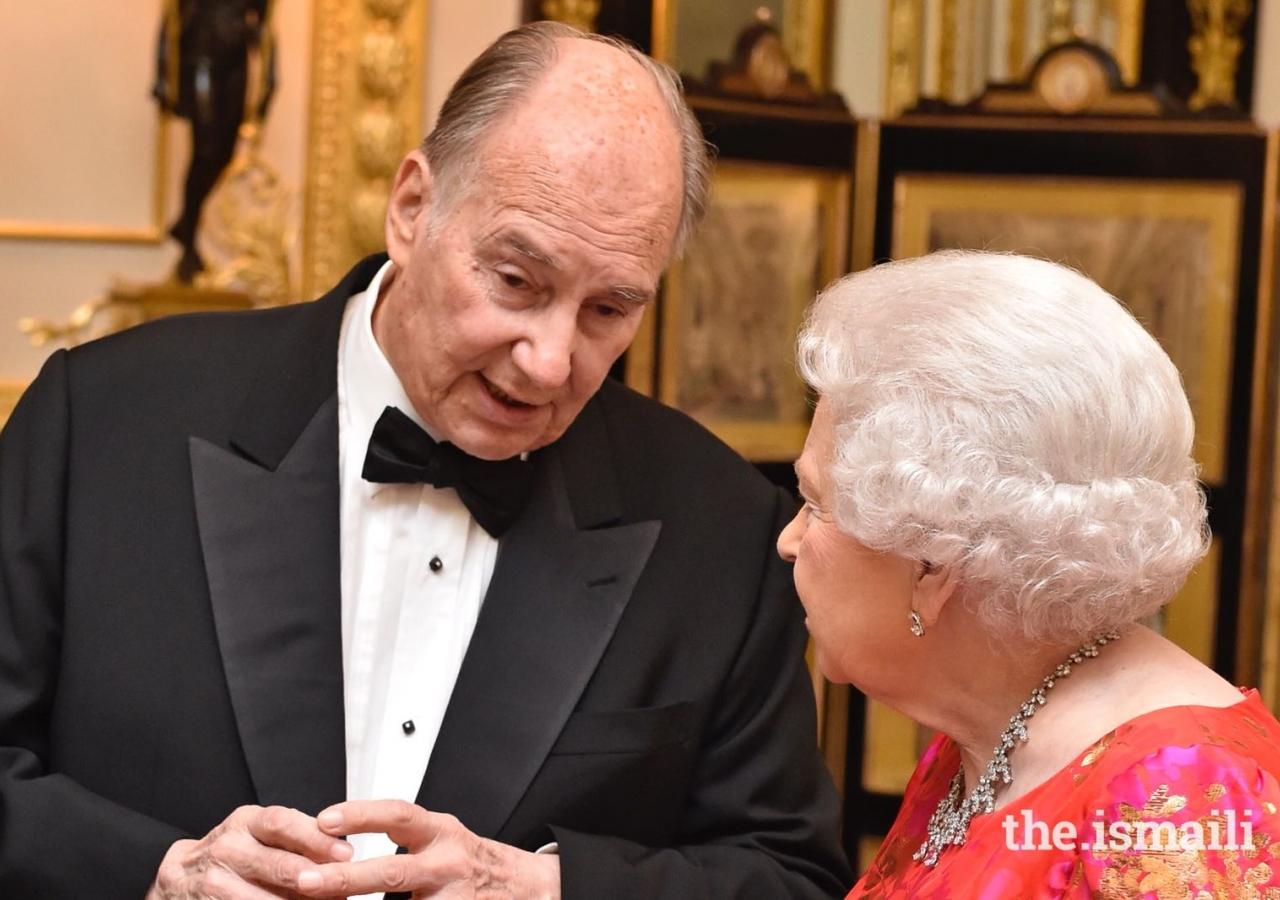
{"x":789,"y":539}
{"x":545,"y":352}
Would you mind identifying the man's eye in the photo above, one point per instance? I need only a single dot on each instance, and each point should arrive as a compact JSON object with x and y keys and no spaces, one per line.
{"x":609,"y":311}
{"x":513,"y":279}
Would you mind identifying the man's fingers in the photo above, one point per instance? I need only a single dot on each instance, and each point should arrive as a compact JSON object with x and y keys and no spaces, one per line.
{"x":407,"y":825}
{"x":227,"y":885}
{"x":386,"y":873}
{"x":261,"y":865}
{"x":296,"y":832}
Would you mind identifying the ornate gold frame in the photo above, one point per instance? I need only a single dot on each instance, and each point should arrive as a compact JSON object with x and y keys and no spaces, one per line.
{"x":1189,"y":620}
{"x":805,"y":33}
{"x":1264,"y":441}
{"x":917,"y":198}
{"x":367,"y":63}
{"x":796,"y":194}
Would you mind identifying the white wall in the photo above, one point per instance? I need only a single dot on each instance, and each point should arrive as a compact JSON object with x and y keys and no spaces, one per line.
{"x":859,"y":44}
{"x":456,"y":33}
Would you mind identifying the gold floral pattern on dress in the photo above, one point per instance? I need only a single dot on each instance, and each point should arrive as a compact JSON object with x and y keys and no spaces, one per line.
{"x":1188,"y":777}
{"x":1094,"y":753}
{"x":1261,"y":729}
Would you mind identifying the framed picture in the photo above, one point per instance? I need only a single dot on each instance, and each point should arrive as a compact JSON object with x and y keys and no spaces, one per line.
{"x":1168,"y":249}
{"x":731,"y":308}
{"x":690,"y":36}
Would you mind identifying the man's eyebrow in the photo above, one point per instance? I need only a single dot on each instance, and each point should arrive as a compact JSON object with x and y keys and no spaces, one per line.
{"x":630,"y":294}
{"x":801,"y":481}
{"x":624,"y":292}
{"x":521,"y":247}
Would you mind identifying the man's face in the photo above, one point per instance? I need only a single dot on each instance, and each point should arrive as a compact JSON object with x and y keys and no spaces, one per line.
{"x":507,"y":309}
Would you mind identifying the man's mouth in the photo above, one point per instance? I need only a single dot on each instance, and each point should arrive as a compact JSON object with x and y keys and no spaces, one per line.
{"x":503,"y":397}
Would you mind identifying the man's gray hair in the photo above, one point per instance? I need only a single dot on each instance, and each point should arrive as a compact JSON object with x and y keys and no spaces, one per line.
{"x":504,"y":74}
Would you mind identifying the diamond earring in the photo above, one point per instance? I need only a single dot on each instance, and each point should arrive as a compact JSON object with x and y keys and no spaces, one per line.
{"x":917,"y":627}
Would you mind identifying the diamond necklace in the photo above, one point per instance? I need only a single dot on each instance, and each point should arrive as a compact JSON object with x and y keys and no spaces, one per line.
{"x":950,"y":821}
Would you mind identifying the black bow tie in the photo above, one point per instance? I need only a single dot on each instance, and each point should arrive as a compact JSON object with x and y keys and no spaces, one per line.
{"x":494,"y":491}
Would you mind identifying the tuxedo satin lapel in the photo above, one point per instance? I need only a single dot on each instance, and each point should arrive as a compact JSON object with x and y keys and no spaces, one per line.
{"x":270,"y":541}
{"x":300,"y":373}
{"x":555,"y":599}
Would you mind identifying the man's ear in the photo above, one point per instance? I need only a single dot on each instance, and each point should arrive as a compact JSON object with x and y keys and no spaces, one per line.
{"x":935,"y":585}
{"x":408,"y":206}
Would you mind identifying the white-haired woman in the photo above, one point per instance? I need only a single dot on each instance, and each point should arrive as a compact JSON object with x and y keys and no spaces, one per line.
{"x":998,"y":488}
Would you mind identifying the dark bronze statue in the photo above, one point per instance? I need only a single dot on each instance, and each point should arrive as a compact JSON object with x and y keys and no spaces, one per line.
{"x":203,"y":75}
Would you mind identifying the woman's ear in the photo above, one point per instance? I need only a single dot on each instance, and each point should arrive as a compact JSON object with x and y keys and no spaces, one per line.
{"x":935,"y":585}
{"x":408,"y":206}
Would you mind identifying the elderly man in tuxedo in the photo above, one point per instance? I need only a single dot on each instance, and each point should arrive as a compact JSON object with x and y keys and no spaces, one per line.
{"x":394,"y":591}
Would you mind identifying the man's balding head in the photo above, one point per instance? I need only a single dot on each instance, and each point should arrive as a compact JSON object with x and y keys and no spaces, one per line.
{"x":619,"y":82}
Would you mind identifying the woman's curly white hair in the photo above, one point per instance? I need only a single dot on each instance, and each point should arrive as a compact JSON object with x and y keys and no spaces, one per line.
{"x":1006,"y":417}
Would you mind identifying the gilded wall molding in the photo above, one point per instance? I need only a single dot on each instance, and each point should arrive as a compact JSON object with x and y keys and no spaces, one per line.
{"x":366,"y":113}
{"x":1215,"y":49}
{"x":578,"y":13}
{"x":906,"y":39}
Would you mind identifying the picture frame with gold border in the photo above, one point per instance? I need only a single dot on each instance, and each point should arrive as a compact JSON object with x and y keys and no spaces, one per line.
{"x":688,"y":36}
{"x":730,"y":309}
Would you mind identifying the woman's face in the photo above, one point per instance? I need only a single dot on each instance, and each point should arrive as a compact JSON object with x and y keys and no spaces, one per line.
{"x":856,"y":599}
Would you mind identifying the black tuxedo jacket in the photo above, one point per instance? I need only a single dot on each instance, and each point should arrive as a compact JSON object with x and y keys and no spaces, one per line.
{"x":170,"y":642}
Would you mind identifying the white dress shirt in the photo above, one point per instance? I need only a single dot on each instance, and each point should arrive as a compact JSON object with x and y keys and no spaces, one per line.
{"x":415,"y":567}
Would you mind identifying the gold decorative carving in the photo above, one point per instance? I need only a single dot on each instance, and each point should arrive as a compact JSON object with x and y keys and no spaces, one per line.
{"x":578,"y":13}
{"x":947,"y":51}
{"x":366,"y":113}
{"x":382,"y":62}
{"x":906,"y":19}
{"x":248,"y":232}
{"x":1017,"y":50}
{"x":127,"y":305}
{"x":389,"y":10}
{"x":1215,"y":49}
{"x":1061,"y":28}
{"x":1128,"y":49}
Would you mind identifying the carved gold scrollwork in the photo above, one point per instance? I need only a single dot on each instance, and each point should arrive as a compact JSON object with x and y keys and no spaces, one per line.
{"x":905,"y":23}
{"x":250,"y":231}
{"x":382,"y":62}
{"x":366,"y":112}
{"x":578,"y":13}
{"x":388,"y":10}
{"x":379,"y":137}
{"x":1215,"y":49}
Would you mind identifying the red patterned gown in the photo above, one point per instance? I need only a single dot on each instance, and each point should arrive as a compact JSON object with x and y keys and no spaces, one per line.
{"x":1177,"y":804}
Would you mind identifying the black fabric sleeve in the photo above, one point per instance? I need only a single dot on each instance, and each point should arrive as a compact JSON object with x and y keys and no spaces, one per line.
{"x":58,"y":841}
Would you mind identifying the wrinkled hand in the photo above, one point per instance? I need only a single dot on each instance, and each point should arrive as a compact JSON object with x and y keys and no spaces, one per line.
{"x":255,"y":854}
{"x":444,"y":859}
